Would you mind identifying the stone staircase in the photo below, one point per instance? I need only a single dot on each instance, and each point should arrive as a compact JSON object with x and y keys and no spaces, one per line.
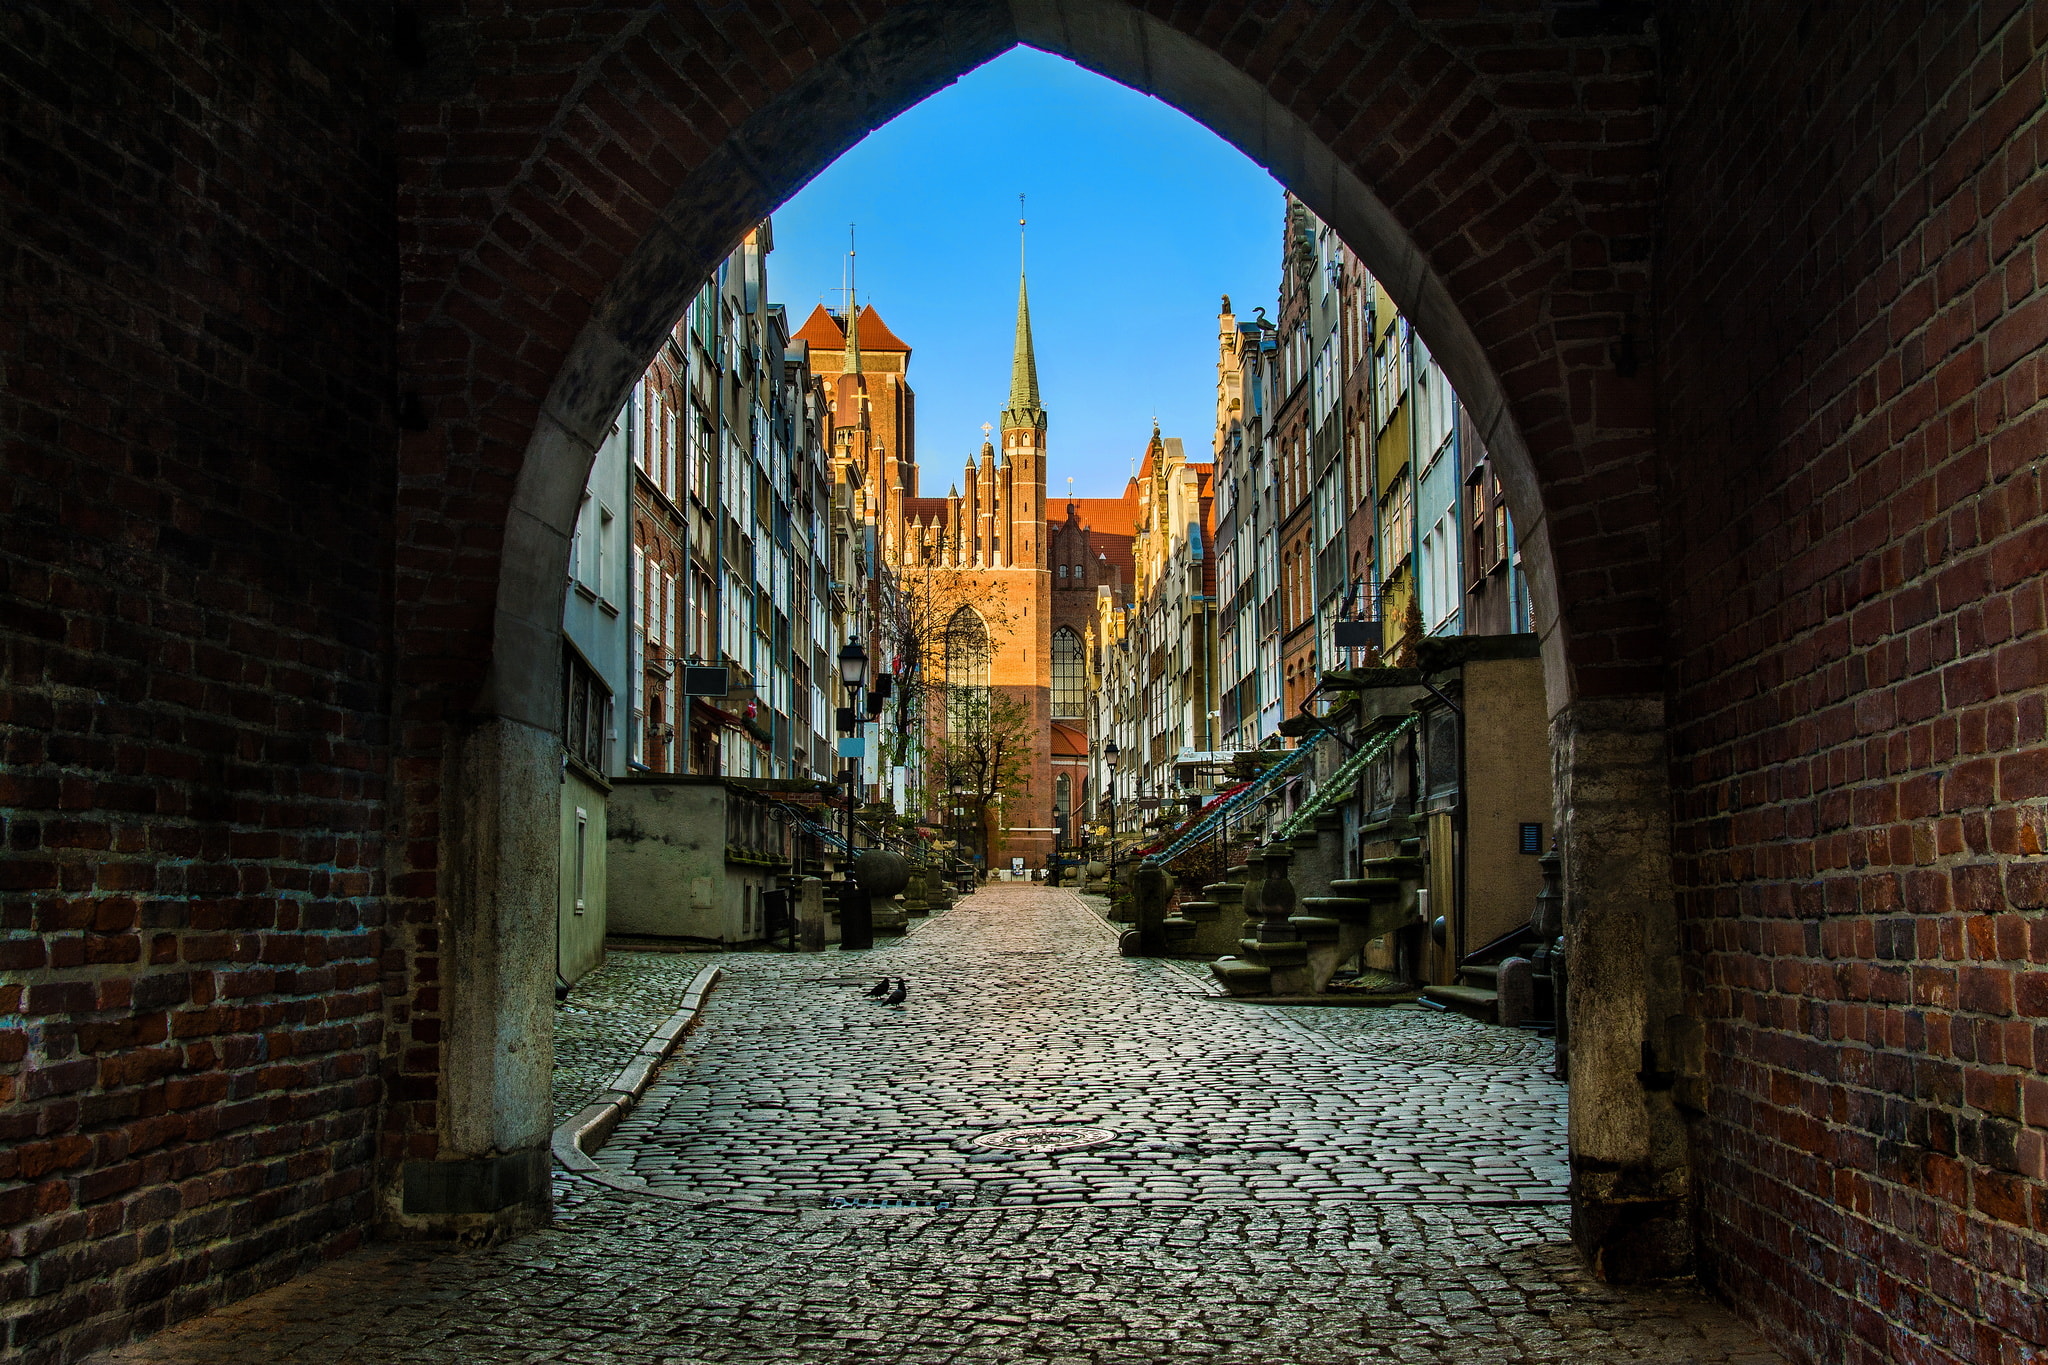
{"x":1212,"y":924}
{"x":1477,"y":991}
{"x":1359,"y":910}
{"x":1295,"y":947}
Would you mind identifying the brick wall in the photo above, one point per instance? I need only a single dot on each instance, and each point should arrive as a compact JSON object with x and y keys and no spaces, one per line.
{"x":195,"y":476}
{"x":1851,"y":329}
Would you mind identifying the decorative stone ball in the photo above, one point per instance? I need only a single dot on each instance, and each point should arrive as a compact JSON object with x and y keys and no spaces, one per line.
{"x":880,"y":872}
{"x":1098,"y":869}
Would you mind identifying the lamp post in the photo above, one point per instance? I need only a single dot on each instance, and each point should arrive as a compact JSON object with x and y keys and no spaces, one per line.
{"x":856,"y":913}
{"x":1110,"y":753}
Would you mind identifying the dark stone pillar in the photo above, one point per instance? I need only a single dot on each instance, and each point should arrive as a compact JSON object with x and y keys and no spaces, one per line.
{"x":1631,"y":1167}
{"x":856,"y":918}
{"x":1151,"y":890}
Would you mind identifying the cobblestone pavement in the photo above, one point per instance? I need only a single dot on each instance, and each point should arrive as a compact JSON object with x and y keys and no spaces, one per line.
{"x":1393,"y":1276}
{"x":797,"y":1087}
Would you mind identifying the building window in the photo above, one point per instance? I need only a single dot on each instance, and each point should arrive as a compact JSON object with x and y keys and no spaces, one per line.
{"x":967,"y":655}
{"x":1396,"y":513}
{"x":1069,"y":676}
{"x":586,"y":712}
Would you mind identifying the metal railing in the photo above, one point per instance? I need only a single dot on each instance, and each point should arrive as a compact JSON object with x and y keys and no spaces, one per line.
{"x":1243,"y":798}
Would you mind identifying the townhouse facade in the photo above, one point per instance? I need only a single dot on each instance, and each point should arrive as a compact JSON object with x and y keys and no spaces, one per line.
{"x":719,"y":562}
{"x":1293,"y":658}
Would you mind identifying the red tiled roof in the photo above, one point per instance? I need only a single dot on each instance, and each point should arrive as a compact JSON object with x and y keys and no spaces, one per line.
{"x":875,"y":334}
{"x":1110,"y":522}
{"x":822,"y":330}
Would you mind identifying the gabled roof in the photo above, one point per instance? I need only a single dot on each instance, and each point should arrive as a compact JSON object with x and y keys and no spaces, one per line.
{"x":822,"y":330}
{"x":1110,"y":523}
{"x":875,"y":334}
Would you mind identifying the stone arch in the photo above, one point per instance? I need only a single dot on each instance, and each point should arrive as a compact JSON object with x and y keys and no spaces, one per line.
{"x":1450,"y":155}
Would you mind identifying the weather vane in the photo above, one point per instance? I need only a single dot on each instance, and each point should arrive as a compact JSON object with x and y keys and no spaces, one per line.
{"x":985,"y":430}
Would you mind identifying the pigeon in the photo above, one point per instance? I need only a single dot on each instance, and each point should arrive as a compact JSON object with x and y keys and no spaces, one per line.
{"x":879,"y":989}
{"x":896,"y":996}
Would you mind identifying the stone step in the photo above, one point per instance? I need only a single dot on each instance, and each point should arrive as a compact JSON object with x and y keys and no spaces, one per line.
{"x":1227,"y":892}
{"x":1346,"y":908}
{"x":1200,"y":910}
{"x":1405,"y":867}
{"x":1367,"y":888}
{"x":1241,"y":977}
{"x":1470,"y":1001}
{"x":1482,"y":976}
{"x":1174,"y":927}
{"x":1281,"y":953}
{"x":1315,"y":928}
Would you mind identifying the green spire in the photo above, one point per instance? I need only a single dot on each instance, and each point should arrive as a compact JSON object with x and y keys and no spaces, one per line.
{"x":1024,"y":409}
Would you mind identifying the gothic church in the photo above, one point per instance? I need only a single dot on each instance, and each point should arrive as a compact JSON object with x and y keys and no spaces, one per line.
{"x":1041,"y":575}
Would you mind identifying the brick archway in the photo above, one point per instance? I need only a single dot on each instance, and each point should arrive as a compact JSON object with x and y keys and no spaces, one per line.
{"x":562,"y":209}
{"x":266,"y":884}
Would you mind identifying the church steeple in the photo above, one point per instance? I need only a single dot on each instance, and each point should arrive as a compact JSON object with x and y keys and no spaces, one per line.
{"x":852,"y":361}
{"x":1023,"y":471}
{"x":1024,"y":412}
{"x":1024,"y":409}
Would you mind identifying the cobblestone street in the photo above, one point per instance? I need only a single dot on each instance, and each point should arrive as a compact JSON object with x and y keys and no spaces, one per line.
{"x":1267,"y":1185}
{"x":1021,"y":1014}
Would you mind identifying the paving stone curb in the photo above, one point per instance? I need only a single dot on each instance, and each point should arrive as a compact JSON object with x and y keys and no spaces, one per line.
{"x":575,"y":1139}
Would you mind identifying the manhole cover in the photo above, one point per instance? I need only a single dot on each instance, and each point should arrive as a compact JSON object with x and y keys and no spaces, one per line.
{"x":1047,"y":1138}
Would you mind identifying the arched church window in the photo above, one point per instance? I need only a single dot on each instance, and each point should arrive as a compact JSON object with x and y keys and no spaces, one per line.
{"x":1069,"y":678}
{"x":967,"y":655}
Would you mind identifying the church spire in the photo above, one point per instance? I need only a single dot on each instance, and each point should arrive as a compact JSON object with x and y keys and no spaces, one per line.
{"x":1024,"y":409}
{"x":852,"y":364}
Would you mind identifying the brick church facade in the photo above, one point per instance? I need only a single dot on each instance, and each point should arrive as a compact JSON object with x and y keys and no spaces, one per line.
{"x":1034,"y":578}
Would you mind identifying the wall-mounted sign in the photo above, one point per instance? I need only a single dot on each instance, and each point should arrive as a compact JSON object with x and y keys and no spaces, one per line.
{"x":704,"y":680}
{"x":1355,"y":634}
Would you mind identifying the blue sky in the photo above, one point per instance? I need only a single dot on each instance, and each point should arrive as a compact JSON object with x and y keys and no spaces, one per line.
{"x":1140,"y":220}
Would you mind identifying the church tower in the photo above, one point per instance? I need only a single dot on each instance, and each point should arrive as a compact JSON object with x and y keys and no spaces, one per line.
{"x":1024,"y":446}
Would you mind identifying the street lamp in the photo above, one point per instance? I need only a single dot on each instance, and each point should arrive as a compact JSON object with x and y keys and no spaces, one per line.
{"x":856,"y":915}
{"x":853,"y":671}
{"x":1110,"y":754}
{"x":853,"y":666}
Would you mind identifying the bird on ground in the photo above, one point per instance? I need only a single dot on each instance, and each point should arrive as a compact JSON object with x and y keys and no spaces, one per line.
{"x":879,"y":989}
{"x":896,"y":996}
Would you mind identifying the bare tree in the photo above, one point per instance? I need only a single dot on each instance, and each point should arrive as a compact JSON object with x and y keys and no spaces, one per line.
{"x":916,"y":615}
{"x":979,"y":758}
